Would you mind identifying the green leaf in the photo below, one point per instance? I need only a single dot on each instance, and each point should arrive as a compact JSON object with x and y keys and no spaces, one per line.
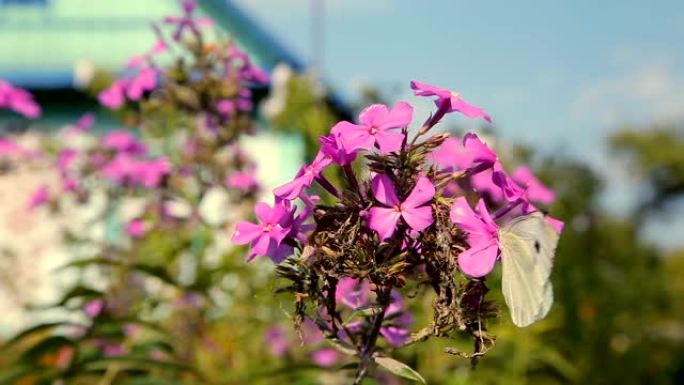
{"x":44,"y":327}
{"x":399,"y":368}
{"x":363,"y":311}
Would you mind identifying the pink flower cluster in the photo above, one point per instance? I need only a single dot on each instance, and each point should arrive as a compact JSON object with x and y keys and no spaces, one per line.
{"x":469,"y":164}
{"x":18,"y":100}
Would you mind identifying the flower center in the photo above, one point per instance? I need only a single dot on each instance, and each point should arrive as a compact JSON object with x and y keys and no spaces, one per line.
{"x":397,"y":208}
{"x":268,"y":227}
{"x":373,"y":130}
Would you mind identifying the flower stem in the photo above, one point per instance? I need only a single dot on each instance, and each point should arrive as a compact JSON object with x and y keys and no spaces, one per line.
{"x":369,"y":346}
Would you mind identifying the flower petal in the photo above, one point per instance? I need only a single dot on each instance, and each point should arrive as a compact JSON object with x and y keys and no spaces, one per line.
{"x":400,"y":116}
{"x":418,"y":218}
{"x":479,"y":260}
{"x":383,"y":221}
{"x":373,"y":114}
{"x":422,"y":193}
{"x":389,"y":141}
{"x":384,"y":191}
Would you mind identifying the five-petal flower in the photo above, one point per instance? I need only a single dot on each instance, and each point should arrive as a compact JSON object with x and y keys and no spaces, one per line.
{"x":415,"y":210}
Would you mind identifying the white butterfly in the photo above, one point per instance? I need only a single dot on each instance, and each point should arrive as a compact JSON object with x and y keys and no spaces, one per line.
{"x":528,"y":245}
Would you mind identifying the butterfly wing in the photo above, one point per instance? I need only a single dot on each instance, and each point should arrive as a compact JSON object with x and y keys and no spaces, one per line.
{"x":528,"y":244}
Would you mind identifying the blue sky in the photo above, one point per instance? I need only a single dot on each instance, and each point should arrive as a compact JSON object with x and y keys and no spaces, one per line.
{"x":557,"y":75}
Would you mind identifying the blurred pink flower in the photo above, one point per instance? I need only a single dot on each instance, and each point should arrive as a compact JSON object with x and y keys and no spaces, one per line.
{"x":18,"y":100}
{"x":136,"y":228}
{"x":39,"y":197}
{"x":276,"y":339}
{"x":93,"y":308}
{"x":536,"y":190}
{"x":114,"y":96}
{"x":242,"y":180}
{"x":325,"y":357}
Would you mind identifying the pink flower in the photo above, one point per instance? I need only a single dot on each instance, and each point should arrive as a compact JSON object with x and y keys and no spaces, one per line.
{"x":483,"y":184}
{"x":145,"y":80}
{"x":266,"y":237}
{"x":9,"y":147}
{"x":414,"y":209}
{"x":93,"y":308}
{"x":187,"y":21}
{"x":150,"y":173}
{"x":375,"y":129}
{"x":511,"y":191}
{"x":18,"y":100}
{"x":242,"y":180}
{"x":480,"y":258}
{"x":65,"y":159}
{"x":449,"y":100}
{"x":276,"y":339}
{"x":303,"y":179}
{"x":325,"y":357}
{"x":39,"y":197}
{"x":334,"y":147}
{"x":113,"y":96}
{"x":84,"y":123}
{"x":471,"y":154}
{"x":123,"y":141}
{"x":352,"y":292}
{"x":536,"y":191}
{"x":136,"y":228}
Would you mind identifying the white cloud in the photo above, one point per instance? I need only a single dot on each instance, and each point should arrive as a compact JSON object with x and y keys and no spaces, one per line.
{"x":652,"y":92}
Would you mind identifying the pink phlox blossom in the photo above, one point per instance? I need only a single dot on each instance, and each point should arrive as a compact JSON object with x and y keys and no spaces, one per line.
{"x":512,"y":192}
{"x":352,"y":292}
{"x":123,"y":141}
{"x":483,"y":184}
{"x":94,"y":307}
{"x":451,"y":101}
{"x":536,"y":190}
{"x":187,"y":21}
{"x":376,"y":128}
{"x":303,"y":179}
{"x":138,"y":60}
{"x":18,"y":100}
{"x":238,"y":60}
{"x":415,"y":210}
{"x":66,"y":159}
{"x":136,"y":228}
{"x":39,"y":197}
{"x":470,"y":154}
{"x":244,"y":181}
{"x":266,"y":237}
{"x":396,"y":332}
{"x":325,"y":357}
{"x":84,"y":123}
{"x":482,"y":231}
{"x":114,"y":96}
{"x":10,"y":148}
{"x":334,"y":147}
{"x":149,"y":173}
{"x":275,"y":338}
{"x":144,"y":80}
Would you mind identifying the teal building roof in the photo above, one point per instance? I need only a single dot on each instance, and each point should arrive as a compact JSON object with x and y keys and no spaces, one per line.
{"x":45,"y":43}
